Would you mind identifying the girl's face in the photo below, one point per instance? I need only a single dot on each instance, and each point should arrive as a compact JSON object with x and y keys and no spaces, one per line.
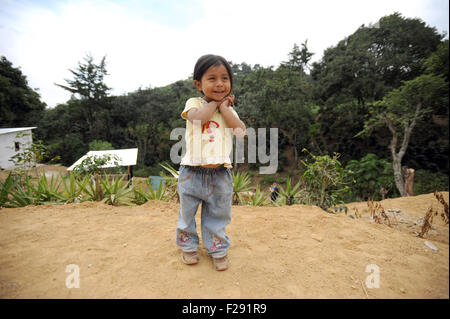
{"x":215,"y":83}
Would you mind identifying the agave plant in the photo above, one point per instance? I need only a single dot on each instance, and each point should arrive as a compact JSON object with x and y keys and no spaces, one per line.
{"x":5,"y":188}
{"x":115,"y":192}
{"x":23,"y":193}
{"x":72,"y":190}
{"x":170,"y":169}
{"x":259,"y":198}
{"x":89,"y":188}
{"x":171,"y":181}
{"x":47,"y":192}
{"x":290,"y":195}
{"x":241,"y":184}
{"x":140,"y":196}
{"x":156,"y":194}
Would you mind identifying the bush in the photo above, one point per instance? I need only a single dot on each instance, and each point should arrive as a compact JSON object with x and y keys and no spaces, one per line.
{"x":98,"y":145}
{"x":324,"y":179}
{"x":270,"y":179}
{"x":146,"y":171}
{"x":369,"y":175}
{"x":426,"y":182}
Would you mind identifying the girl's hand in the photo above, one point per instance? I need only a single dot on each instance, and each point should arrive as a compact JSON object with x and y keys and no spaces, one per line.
{"x":231,"y":99}
{"x":226,"y":102}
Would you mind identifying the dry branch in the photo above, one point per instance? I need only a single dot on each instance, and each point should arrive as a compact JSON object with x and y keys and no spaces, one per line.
{"x":441,"y":200}
{"x":428,"y":220}
{"x":377,"y":214}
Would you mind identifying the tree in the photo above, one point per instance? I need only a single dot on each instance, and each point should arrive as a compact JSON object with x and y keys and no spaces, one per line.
{"x":429,"y":147}
{"x":88,"y":84}
{"x":437,"y":62}
{"x":400,"y":110}
{"x":361,"y":69}
{"x":373,"y":61}
{"x":324,"y":178}
{"x":19,"y":104}
{"x":299,"y":58}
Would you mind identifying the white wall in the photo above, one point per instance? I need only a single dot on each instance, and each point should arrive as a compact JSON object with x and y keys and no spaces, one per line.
{"x":7,"y":146}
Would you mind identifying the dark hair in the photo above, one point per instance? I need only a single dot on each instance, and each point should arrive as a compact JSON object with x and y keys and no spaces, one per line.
{"x":209,"y":60}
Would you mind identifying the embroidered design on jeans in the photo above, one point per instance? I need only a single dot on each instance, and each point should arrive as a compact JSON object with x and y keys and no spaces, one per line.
{"x":184,"y":237}
{"x":217,"y":243}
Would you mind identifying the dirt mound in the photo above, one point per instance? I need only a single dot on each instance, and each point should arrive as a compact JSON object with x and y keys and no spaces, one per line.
{"x":276,"y":252}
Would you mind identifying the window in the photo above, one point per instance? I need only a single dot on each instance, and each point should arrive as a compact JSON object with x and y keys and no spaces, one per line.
{"x":17,"y":146}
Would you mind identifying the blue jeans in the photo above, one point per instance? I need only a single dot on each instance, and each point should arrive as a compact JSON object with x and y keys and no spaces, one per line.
{"x":213,"y":187}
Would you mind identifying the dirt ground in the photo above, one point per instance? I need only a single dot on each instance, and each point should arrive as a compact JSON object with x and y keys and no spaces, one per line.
{"x":276,"y":252}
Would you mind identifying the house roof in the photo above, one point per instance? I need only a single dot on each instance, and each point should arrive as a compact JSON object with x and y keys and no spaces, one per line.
{"x":128,"y":157}
{"x":15,"y":129}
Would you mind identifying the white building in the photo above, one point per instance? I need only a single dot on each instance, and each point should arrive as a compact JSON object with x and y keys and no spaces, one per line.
{"x":13,"y":141}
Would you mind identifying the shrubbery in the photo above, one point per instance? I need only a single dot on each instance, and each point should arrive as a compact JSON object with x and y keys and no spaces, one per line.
{"x":371,"y":178}
{"x":426,"y":182}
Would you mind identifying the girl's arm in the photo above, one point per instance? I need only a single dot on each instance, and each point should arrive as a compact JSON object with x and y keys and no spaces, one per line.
{"x":232,"y":120}
{"x":203,"y":114}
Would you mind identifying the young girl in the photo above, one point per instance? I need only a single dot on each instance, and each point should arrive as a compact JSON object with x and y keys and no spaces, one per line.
{"x":204,"y":175}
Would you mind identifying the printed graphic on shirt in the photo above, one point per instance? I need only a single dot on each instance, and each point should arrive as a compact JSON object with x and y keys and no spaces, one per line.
{"x":210,"y":127}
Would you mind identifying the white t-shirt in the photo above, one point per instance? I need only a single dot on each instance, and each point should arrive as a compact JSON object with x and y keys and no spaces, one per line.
{"x":210,"y":143}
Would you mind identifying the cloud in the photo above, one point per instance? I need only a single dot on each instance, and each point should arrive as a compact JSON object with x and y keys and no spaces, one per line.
{"x":155,"y":43}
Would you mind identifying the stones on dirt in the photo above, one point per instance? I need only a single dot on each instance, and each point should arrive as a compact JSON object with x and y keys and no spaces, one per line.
{"x":431,"y":246}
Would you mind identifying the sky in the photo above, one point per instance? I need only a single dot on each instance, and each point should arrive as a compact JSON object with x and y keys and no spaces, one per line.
{"x":153,"y":43}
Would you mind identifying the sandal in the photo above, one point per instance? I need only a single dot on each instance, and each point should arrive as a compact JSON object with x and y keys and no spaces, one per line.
{"x":221,"y":263}
{"x":190,"y":258}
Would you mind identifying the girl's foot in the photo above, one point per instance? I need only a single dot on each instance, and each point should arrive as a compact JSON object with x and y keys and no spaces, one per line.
{"x":190,"y":258}
{"x":220,"y":263}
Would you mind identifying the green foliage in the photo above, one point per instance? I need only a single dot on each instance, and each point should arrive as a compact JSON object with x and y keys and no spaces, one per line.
{"x":324,"y":178}
{"x":438,"y":63}
{"x":20,"y":190}
{"x":73,"y":188}
{"x":291,"y":194}
{"x":115,"y":192}
{"x":141,"y":197}
{"x":259,"y":198}
{"x":97,"y":145}
{"x":146,"y":171}
{"x":29,"y":154}
{"x":47,"y":192}
{"x":88,"y":81}
{"x":400,"y":110}
{"x":426,"y":182}
{"x":23,"y":194}
{"x":5,"y":188}
{"x":170,"y":169}
{"x":89,"y":187}
{"x":407,"y":104}
{"x":361,"y":69}
{"x":241,"y":184}
{"x":20,"y":105}
{"x":368,"y":177}
{"x":23,"y":190}
{"x":270,"y":179}
{"x":93,"y":164}
{"x":299,"y":58}
{"x":90,"y":95}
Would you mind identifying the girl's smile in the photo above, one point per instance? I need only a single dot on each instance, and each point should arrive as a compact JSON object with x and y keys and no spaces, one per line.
{"x":215,"y":83}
